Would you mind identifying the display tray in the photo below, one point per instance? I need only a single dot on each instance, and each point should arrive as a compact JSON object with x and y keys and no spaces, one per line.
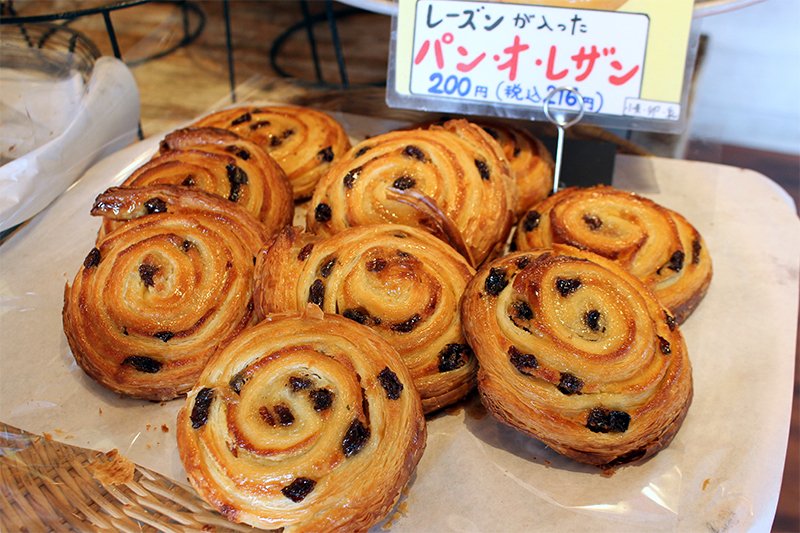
{"x":722,"y":472}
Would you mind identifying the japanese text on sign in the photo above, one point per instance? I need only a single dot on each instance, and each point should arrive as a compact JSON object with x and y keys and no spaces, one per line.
{"x":515,"y":54}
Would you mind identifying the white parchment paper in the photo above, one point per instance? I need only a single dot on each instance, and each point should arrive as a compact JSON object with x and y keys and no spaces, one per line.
{"x":722,"y":472}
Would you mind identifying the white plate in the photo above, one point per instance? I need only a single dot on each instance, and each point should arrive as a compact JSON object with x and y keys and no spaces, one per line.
{"x":722,"y":471}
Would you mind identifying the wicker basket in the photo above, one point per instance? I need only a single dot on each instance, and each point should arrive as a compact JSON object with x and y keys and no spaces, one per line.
{"x":49,"y":486}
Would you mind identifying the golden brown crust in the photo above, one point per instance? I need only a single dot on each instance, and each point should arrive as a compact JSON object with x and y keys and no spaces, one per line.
{"x":654,"y":243}
{"x":577,"y":353}
{"x":155,"y":297}
{"x":304,"y":141}
{"x":221,"y":163}
{"x":397,"y":280}
{"x":451,"y":180}
{"x":531,"y":163}
{"x":307,"y":422}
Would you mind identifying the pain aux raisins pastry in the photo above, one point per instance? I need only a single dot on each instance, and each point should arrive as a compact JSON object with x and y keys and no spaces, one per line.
{"x":576,"y":352}
{"x":303,"y":422}
{"x":451,"y":180}
{"x":655,"y":244}
{"x":401,"y":282}
{"x":155,"y":297}
{"x":222,"y":163}
{"x":304,"y":142}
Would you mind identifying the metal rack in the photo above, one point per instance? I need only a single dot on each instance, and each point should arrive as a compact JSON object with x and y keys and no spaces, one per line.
{"x":190,"y":11}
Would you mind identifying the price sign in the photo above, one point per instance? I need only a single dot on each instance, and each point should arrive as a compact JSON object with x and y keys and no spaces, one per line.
{"x":628,"y":61}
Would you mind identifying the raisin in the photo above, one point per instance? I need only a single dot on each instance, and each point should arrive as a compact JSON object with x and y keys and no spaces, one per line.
{"x":322,"y":399}
{"x":567,"y":286}
{"x":285,"y":416}
{"x":569,"y":384}
{"x":522,"y":310}
{"x":266,"y":415}
{"x":696,"y":248}
{"x":664,"y":345}
{"x":532,"y":219}
{"x":404,"y":182}
{"x":237,"y":382}
{"x":483,"y":169}
{"x":260,"y":124}
{"x":246,"y":117}
{"x":355,"y":438}
{"x":602,"y":420}
{"x":142,"y":363}
{"x":351,"y":177}
{"x":147,"y":272}
{"x":359,"y":315}
{"x":592,"y":319}
{"x":522,"y":361}
{"x":164,"y":335}
{"x":241,"y":153}
{"x":237,"y":177}
{"x":363,"y":150}
{"x":188,"y":181}
{"x":186,"y":245}
{"x":326,"y":154}
{"x":275,"y":141}
{"x":390,"y":383}
{"x":517,"y":150}
{"x":323,"y":213}
{"x":202,"y":402}
{"x":298,"y":489}
{"x":298,"y":384}
{"x":414,"y":152}
{"x":523,"y":261}
{"x":92,"y":258}
{"x":496,"y":281}
{"x":671,"y":322}
{"x":593,"y":221}
{"x":376,"y":265}
{"x":305,"y":251}
{"x":316,"y":294}
{"x":454,"y":356}
{"x":676,"y":261}
{"x":155,"y":205}
{"x":408,"y":325}
{"x":326,"y":269}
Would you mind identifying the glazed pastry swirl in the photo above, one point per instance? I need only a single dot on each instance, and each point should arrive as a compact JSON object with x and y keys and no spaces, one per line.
{"x":531,"y":163}
{"x":655,"y":244}
{"x":219,"y":162}
{"x":304,"y":141}
{"x":400,"y":281}
{"x":310,"y":423}
{"x":577,"y":353}
{"x":451,"y":180}
{"x":155,"y":297}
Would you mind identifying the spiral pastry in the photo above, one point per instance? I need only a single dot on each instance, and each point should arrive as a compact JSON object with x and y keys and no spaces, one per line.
{"x":155,"y":297}
{"x":303,"y":141}
{"x":222,"y":163}
{"x":400,"y":281}
{"x":576,"y":352}
{"x":306,"y":422}
{"x":654,"y":243}
{"x":451,"y":180}
{"x":531,"y":163}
